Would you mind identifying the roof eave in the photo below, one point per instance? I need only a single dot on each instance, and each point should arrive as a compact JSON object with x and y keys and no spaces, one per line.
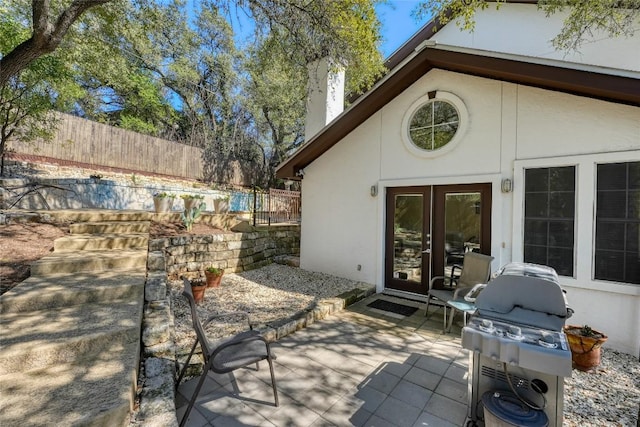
{"x":619,"y":89}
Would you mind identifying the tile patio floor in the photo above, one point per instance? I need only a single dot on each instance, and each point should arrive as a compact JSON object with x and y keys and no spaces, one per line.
{"x":359,"y":367}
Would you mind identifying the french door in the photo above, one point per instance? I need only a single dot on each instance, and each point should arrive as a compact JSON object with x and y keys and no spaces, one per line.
{"x":429,"y":229}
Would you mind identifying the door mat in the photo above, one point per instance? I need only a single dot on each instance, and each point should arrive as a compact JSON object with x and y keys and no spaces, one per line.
{"x":384,"y":305}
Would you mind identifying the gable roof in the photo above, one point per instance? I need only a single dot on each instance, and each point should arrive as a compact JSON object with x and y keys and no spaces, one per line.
{"x":415,"y":58}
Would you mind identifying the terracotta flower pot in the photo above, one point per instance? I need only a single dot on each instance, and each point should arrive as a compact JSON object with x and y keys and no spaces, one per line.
{"x":198,"y":287}
{"x":585,"y":350}
{"x":213,"y":279}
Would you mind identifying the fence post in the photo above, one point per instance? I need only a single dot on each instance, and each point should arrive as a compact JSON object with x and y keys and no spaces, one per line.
{"x":255,"y":210}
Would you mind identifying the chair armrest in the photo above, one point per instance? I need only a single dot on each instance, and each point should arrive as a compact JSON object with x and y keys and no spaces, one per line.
{"x":434,"y":279}
{"x":461,"y":292}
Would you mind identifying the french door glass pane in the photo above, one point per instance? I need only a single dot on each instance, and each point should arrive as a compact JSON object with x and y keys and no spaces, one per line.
{"x":408,"y":237}
{"x":462,"y":226}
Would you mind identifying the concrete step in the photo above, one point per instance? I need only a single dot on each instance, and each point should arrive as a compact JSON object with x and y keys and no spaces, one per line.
{"x":81,"y":215}
{"x":33,"y":340}
{"x":110,"y":227}
{"x":61,"y":290}
{"x":107,"y":242}
{"x":69,"y":262}
{"x":97,"y":393}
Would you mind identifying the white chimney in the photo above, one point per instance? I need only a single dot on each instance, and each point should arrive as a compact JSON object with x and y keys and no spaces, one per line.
{"x":325,"y":96}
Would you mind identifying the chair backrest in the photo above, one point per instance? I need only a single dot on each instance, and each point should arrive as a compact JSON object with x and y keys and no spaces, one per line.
{"x":197,"y":326}
{"x":476,"y":268}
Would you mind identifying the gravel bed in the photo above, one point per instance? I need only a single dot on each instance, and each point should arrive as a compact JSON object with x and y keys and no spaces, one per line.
{"x":269,"y":294}
{"x":608,"y":396}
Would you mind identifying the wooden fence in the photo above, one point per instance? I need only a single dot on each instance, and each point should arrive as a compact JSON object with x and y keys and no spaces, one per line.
{"x":84,"y":142}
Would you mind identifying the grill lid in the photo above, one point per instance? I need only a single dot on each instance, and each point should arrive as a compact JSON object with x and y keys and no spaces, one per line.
{"x":528,"y":294}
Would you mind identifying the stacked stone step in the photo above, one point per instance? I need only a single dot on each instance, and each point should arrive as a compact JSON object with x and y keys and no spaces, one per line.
{"x":70,"y":333}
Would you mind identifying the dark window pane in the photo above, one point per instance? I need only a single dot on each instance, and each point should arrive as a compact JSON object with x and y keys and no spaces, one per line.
{"x":633,"y":237}
{"x":561,"y":260}
{"x":562,"y":179}
{"x":609,"y":266}
{"x":535,"y":232}
{"x":611,"y":204}
{"x":609,"y":235}
{"x":612,"y":176}
{"x":561,"y":205}
{"x":536,"y":205}
{"x":634,"y":204}
{"x":632,"y":271}
{"x":618,"y":240}
{"x":535,"y":254}
{"x":549,"y":196}
{"x":634,"y":176}
{"x":561,"y":233}
{"x":536,"y":179}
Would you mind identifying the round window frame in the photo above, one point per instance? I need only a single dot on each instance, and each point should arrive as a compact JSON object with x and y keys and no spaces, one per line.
{"x":457,"y":137}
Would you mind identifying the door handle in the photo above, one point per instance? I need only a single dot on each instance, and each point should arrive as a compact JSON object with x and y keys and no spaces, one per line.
{"x":427,"y":251}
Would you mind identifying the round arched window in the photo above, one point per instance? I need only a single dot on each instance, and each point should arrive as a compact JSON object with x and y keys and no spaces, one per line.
{"x":434,"y":125}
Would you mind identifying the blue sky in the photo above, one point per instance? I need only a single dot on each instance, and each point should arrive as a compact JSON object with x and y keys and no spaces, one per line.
{"x":397,"y":23}
{"x":395,"y":15}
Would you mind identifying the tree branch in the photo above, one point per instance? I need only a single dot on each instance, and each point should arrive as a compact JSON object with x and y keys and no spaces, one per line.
{"x":45,"y":38}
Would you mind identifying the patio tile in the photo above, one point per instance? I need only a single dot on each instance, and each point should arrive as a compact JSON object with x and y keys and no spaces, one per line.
{"x":453,"y":390}
{"x":347,"y":411}
{"x":398,"y":412}
{"x":196,"y":419}
{"x":399,"y":369}
{"x":448,"y":409}
{"x":382,"y":381}
{"x":457,"y":373}
{"x":433,"y":363}
{"x":423,"y":378}
{"x":411,"y":394}
{"x":369,"y":398}
{"x":429,"y":420}
{"x":376,"y":421}
{"x":294,"y":414}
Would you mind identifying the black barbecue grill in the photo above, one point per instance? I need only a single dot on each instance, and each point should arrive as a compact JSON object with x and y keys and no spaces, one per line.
{"x":517,"y":342}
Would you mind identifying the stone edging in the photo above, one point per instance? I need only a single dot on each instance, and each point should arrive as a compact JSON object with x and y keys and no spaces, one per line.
{"x":157,"y":400}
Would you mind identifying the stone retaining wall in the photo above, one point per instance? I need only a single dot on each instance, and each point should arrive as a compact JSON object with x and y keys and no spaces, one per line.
{"x":235,"y":252}
{"x":104,"y":193}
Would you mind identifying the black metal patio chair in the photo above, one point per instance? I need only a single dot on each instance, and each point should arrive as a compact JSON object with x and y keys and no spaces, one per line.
{"x":226,"y":355}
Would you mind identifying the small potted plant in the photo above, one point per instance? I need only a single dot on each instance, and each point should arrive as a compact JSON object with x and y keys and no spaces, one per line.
{"x":221,"y":204}
{"x":198,"y":287}
{"x":214,"y":276}
{"x":191,"y":200}
{"x":163,"y":202}
{"x":585,"y":344}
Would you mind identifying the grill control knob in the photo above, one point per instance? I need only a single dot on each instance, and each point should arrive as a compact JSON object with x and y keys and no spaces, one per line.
{"x":487,"y":323}
{"x":514,"y":330}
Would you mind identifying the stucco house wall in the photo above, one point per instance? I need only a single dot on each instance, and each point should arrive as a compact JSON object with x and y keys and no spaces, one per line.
{"x":510,"y":127}
{"x":505,"y":128}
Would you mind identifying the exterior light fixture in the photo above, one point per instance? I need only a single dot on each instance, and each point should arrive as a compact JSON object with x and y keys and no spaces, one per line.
{"x":506,"y":185}
{"x":374,"y":190}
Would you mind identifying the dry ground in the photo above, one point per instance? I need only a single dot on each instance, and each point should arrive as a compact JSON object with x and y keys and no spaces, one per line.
{"x":22,"y":244}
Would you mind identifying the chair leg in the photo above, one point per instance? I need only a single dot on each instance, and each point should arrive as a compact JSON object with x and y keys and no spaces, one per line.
{"x":273,"y":381}
{"x":451,"y":316}
{"x":184,"y":368}
{"x":192,"y":401}
{"x":426,"y":311}
{"x":444,"y":317}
